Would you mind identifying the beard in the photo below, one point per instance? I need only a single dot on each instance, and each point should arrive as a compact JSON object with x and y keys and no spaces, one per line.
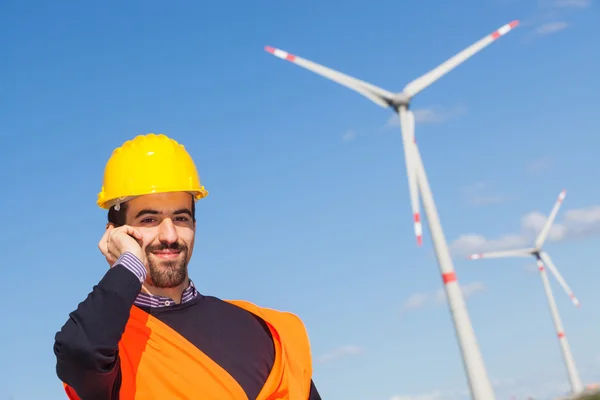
{"x":167,"y":273}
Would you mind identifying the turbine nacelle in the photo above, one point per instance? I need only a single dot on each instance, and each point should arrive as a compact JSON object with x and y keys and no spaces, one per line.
{"x":400,"y":99}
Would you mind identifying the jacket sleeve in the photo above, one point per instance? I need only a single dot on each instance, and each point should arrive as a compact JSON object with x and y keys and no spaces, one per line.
{"x":314,"y":394}
{"x":86,"y":347}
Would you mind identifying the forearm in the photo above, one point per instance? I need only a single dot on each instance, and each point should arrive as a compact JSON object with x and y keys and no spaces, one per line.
{"x":86,"y":347}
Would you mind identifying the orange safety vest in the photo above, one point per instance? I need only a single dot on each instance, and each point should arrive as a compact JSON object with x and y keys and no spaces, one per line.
{"x":158,"y":363}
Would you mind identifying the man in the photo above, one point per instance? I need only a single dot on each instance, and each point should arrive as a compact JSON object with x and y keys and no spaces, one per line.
{"x":145,"y":332}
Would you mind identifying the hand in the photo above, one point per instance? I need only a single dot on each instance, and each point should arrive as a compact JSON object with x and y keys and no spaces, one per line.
{"x":117,"y":241}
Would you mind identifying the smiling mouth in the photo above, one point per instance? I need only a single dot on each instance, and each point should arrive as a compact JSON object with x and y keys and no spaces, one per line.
{"x":167,"y":254}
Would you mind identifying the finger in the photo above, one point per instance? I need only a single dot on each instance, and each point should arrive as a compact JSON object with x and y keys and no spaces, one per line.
{"x":106,"y":233}
{"x":135,"y":233}
{"x":108,"y":245}
{"x":103,"y":243}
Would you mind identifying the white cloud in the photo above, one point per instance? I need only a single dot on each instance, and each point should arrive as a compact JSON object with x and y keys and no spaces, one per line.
{"x":435,"y":395}
{"x":437,"y":298}
{"x":478,"y":194}
{"x":437,"y":114}
{"x":539,"y":165}
{"x":576,"y":224}
{"x":342,"y":351}
{"x":546,"y":383}
{"x":472,"y":288}
{"x":416,"y":300}
{"x":548,"y":18}
{"x":349,"y":136}
{"x":551,"y":27}
{"x":474,"y":243}
{"x":392,"y":121}
{"x":431,"y":115}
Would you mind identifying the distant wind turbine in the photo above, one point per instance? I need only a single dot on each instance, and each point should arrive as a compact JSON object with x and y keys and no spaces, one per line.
{"x":544,"y":261}
{"x":478,"y":380}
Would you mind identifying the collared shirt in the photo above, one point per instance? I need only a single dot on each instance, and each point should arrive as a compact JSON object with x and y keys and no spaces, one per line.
{"x":133,"y":264}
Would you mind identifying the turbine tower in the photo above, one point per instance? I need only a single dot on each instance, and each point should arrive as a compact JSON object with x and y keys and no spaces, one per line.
{"x":477,"y":377}
{"x":544,"y":261}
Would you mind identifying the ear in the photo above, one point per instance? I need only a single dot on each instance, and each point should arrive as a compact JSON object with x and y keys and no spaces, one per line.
{"x":109,"y":224}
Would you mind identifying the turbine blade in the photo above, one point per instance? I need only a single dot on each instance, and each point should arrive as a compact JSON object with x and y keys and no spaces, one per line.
{"x":550,"y":265}
{"x":539,"y":242}
{"x":407,"y":124}
{"x":376,"y":94}
{"x":501,"y":254}
{"x":427,"y":79}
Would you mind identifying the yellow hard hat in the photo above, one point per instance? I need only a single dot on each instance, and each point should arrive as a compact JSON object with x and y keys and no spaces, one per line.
{"x":148,"y":164}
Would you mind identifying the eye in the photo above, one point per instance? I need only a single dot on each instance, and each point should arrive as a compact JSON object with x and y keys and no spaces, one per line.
{"x":182,"y":219}
{"x":148,"y":220}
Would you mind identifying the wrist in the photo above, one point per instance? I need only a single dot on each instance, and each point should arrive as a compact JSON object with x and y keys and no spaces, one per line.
{"x":134,"y":264}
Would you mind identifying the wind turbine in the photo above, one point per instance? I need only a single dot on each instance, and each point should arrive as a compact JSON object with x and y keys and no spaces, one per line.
{"x":478,"y":380}
{"x":544,"y":261}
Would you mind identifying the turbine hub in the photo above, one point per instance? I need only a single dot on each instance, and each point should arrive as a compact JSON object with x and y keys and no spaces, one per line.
{"x":400,"y":99}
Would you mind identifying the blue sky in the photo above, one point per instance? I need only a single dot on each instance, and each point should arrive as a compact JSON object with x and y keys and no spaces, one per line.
{"x":308,"y":208}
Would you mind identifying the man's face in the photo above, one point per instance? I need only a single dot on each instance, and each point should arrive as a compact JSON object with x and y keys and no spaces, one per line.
{"x":168,"y":229}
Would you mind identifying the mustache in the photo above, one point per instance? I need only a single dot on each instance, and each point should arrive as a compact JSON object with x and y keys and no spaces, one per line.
{"x":167,"y":246}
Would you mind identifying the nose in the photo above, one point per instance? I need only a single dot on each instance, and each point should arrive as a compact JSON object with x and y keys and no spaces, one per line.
{"x":167,"y":233}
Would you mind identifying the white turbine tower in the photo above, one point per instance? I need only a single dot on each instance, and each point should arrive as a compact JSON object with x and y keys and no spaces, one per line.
{"x":478,"y":380}
{"x":544,"y":261}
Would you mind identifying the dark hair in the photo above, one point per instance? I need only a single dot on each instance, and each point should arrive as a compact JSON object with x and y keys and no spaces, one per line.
{"x":117,"y":218}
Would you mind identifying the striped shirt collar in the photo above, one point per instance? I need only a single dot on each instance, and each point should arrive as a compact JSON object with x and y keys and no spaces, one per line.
{"x":155,"y":301}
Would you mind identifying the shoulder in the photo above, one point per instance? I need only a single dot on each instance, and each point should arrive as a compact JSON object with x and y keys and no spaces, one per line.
{"x":247,"y":305}
{"x":282,"y":319}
